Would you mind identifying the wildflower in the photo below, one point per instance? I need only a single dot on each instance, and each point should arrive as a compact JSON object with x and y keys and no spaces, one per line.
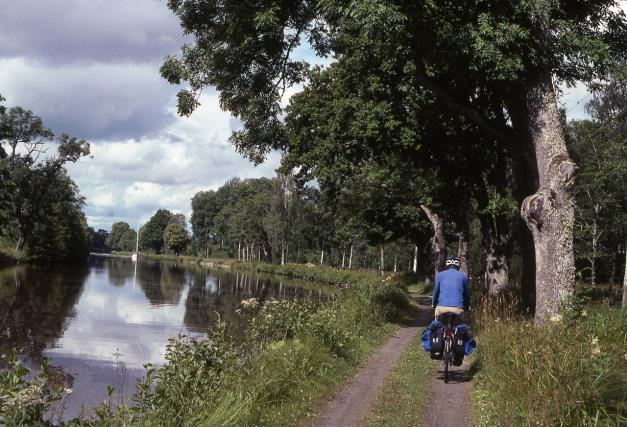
{"x":250,"y":303}
{"x":557,"y":318}
{"x":595,"y":349}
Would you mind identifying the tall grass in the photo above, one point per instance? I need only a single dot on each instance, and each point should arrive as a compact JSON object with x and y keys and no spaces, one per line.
{"x":570,"y":372}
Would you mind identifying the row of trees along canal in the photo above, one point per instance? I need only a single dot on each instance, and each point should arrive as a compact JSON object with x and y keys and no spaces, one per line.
{"x":448,"y":108}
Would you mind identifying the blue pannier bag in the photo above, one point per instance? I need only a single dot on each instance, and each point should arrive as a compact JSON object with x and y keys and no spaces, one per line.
{"x":467,"y":344}
{"x":432,"y":336}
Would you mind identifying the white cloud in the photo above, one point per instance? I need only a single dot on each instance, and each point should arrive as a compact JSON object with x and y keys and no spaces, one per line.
{"x":103,"y":200}
{"x":127,"y":180}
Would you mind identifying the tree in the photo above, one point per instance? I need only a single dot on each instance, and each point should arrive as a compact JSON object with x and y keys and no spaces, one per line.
{"x":99,"y":240}
{"x":151,"y":234}
{"x":600,"y":147}
{"x":492,"y":62}
{"x":122,"y":237}
{"x":175,"y":237}
{"x":204,"y":209}
{"x":36,"y":187}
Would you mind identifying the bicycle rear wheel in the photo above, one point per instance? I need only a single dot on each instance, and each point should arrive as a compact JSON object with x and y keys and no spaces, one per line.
{"x":447,"y":359}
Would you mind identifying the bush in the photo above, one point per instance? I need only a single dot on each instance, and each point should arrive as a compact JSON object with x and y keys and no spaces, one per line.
{"x":569,"y":372}
{"x":23,"y":401}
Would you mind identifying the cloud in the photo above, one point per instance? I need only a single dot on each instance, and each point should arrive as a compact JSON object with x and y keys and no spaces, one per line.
{"x":82,"y":31}
{"x":94,"y":101}
{"x":130,"y":179}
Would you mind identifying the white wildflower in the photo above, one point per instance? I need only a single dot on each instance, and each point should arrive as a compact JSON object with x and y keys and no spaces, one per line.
{"x":557,"y":318}
{"x":595,"y":349}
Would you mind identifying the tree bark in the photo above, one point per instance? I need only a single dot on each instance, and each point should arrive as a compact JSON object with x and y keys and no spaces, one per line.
{"x":549,"y":213}
{"x":321,"y":256}
{"x":350,"y":258}
{"x":395,"y":257}
{"x":381,"y":261}
{"x":415,"y":265}
{"x":343,"y":258}
{"x":438,"y":243}
{"x":496,"y":242}
{"x":20,"y":244}
{"x":462,"y":245}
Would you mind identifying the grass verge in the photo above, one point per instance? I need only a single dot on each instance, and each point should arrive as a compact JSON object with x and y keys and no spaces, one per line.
{"x":401,"y":400}
{"x":570,"y":372}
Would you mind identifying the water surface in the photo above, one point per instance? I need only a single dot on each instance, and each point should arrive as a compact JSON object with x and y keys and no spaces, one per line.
{"x":98,"y":324}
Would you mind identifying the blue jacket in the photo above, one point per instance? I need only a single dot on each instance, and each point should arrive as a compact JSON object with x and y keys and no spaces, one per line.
{"x":451,"y":289}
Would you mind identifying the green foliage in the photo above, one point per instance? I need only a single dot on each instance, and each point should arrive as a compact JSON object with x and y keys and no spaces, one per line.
{"x":599,"y":146}
{"x":40,"y":206}
{"x":151,"y":235}
{"x":175,"y":237}
{"x":568,"y":372}
{"x":25,"y":401}
{"x":122,"y":237}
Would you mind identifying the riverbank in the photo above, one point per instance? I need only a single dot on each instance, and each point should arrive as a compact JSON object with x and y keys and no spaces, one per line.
{"x":293,"y":355}
{"x":9,"y":256}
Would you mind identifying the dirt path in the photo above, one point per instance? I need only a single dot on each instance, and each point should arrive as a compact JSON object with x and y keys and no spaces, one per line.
{"x":448,"y":404}
{"x":352,"y":405}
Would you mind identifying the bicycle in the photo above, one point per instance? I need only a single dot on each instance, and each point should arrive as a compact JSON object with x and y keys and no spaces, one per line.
{"x":448,"y":335}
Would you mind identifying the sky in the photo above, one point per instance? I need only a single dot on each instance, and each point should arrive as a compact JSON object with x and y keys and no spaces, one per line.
{"x":90,"y":68}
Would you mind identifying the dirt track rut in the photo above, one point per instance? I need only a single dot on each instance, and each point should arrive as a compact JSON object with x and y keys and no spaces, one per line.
{"x":448,"y":403}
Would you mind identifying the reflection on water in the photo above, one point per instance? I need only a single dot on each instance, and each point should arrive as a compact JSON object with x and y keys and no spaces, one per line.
{"x":87,"y":318}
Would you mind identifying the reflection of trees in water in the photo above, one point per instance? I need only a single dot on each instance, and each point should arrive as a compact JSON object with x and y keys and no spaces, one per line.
{"x":162,"y":283}
{"x":119,"y":271}
{"x":222,"y":292}
{"x":36,"y":306}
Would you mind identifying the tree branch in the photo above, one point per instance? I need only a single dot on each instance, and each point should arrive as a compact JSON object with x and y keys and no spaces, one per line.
{"x":467,"y":110}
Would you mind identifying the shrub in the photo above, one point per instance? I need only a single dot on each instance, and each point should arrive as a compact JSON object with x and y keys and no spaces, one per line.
{"x":24,"y":401}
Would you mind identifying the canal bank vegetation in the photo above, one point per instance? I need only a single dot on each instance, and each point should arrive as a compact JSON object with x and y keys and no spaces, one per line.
{"x":41,"y":209}
{"x":292,"y":357}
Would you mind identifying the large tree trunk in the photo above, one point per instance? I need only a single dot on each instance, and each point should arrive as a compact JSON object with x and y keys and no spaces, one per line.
{"x":438,"y":243}
{"x":549,"y":213}
{"x":496,"y":241}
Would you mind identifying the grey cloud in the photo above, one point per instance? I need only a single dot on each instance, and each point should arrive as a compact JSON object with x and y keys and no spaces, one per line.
{"x":96,"y":101}
{"x":70,"y":31}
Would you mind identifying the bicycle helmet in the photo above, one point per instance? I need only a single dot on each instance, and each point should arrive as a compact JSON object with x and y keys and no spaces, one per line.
{"x":454,"y":262}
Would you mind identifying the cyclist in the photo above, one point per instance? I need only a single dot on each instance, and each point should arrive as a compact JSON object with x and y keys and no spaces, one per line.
{"x":452,"y":291}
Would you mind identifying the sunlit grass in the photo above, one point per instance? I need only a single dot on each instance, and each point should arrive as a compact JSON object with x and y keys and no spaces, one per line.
{"x":572,"y":371}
